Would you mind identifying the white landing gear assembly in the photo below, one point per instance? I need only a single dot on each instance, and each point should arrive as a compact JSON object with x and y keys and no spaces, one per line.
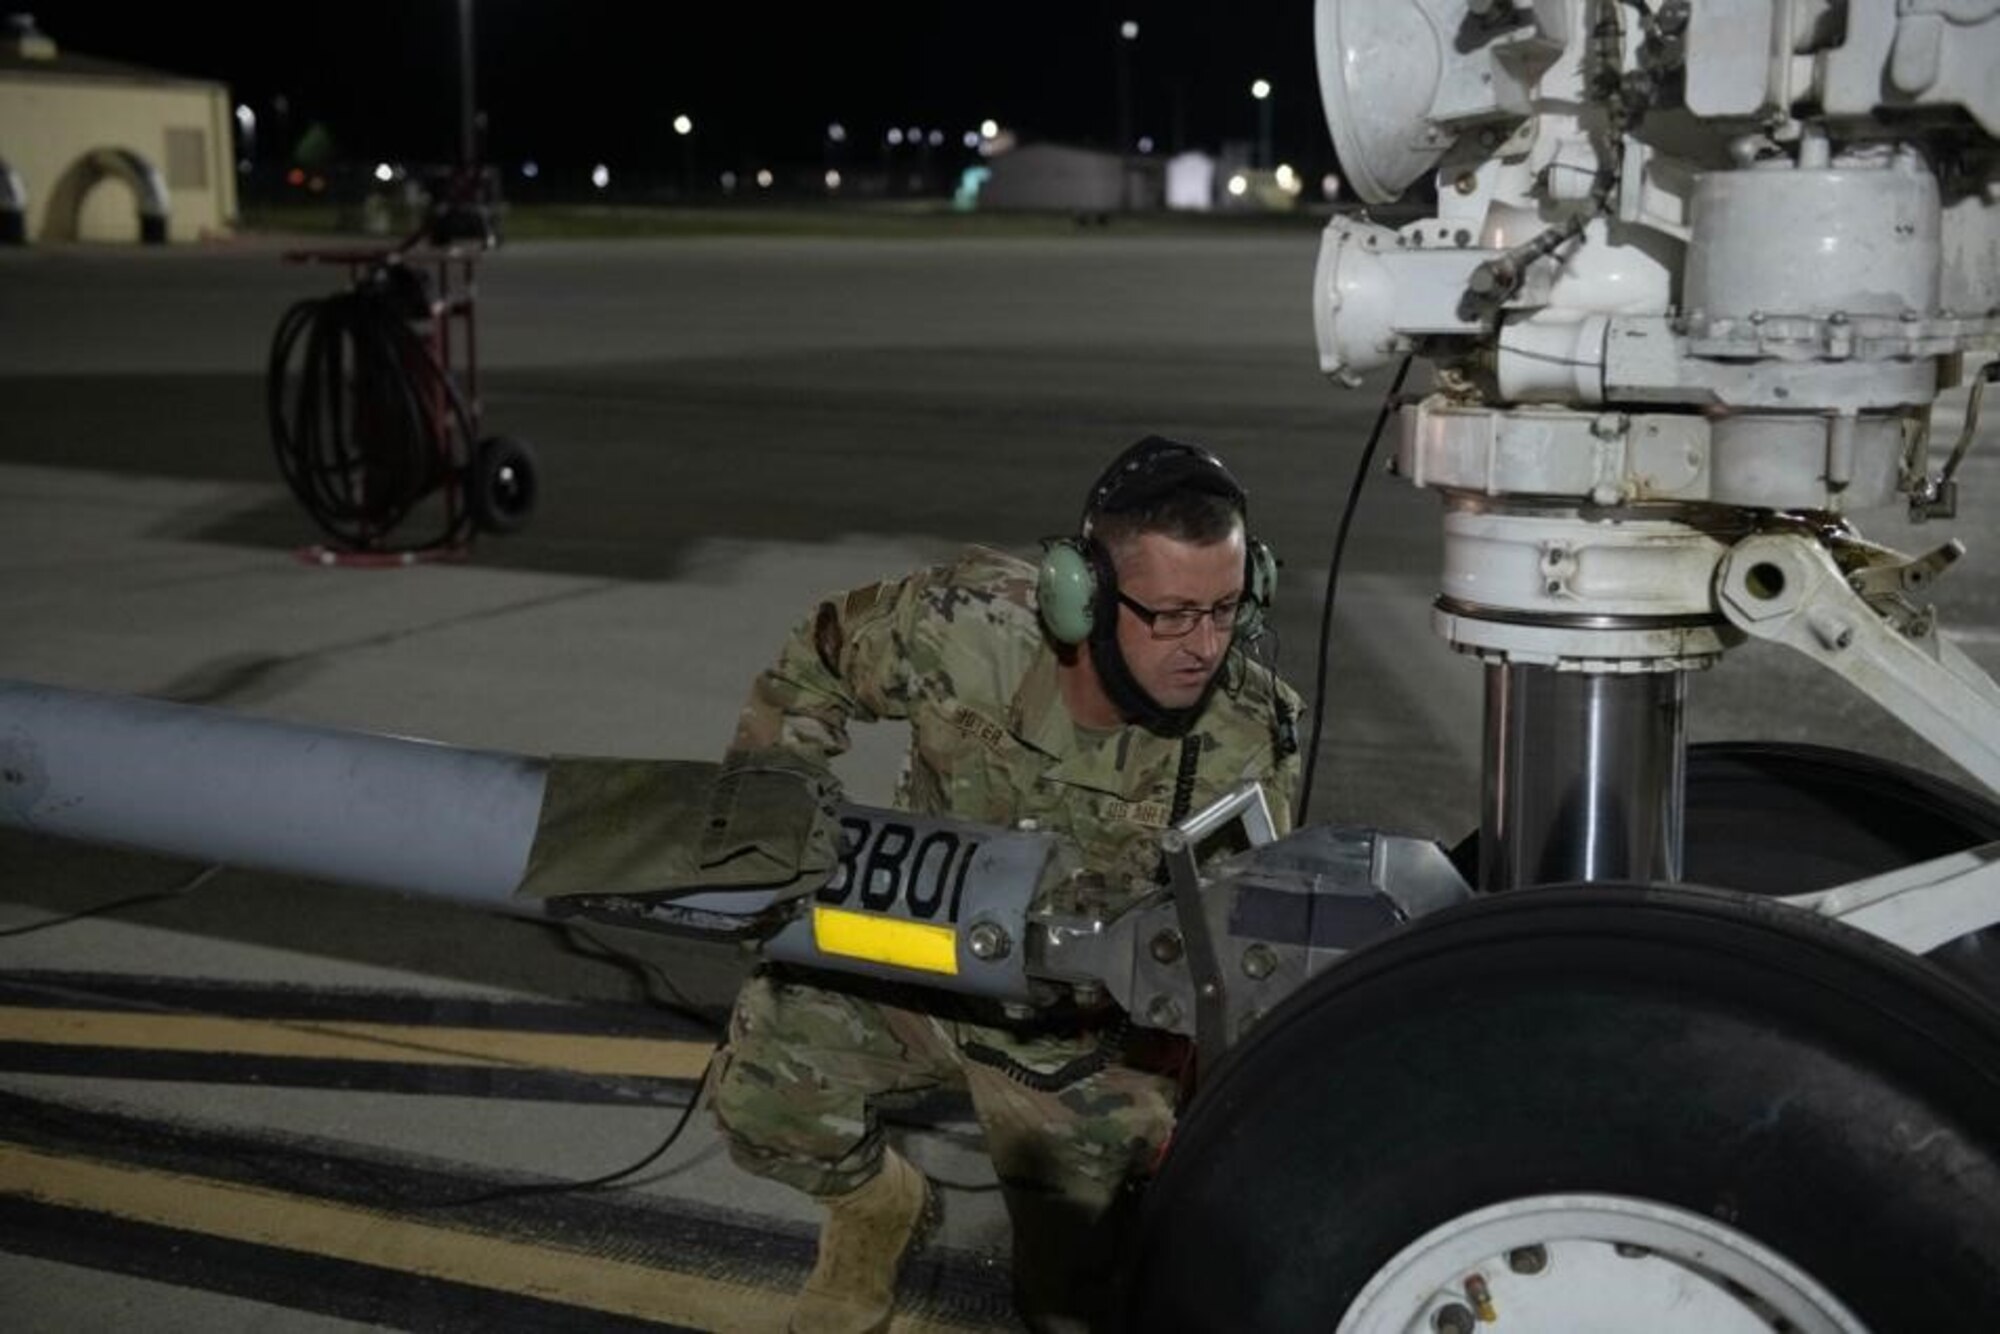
{"x":1697,"y":274}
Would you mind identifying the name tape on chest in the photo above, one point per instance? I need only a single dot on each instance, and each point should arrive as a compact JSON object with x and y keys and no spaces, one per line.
{"x":983,"y":730}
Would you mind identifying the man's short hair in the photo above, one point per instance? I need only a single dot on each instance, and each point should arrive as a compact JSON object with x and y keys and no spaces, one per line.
{"x":1186,"y":515}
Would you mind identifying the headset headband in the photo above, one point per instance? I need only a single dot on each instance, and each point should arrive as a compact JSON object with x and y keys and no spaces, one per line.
{"x":1156,"y":467}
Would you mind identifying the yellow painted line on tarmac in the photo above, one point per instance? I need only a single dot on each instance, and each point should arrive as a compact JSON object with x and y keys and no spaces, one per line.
{"x":344,"y":1232}
{"x":577,"y":1053}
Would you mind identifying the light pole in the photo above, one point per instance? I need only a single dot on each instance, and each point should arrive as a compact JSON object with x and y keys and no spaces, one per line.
{"x":1128,"y":36}
{"x":684,"y":129}
{"x":468,"y":135}
{"x":1261,"y":90}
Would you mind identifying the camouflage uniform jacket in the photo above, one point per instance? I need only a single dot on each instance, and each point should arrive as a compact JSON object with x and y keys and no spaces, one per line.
{"x":959,"y":652}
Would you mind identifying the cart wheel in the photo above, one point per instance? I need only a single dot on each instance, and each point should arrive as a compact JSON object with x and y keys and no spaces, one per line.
{"x":504,"y":484}
{"x":1592,"y":1108}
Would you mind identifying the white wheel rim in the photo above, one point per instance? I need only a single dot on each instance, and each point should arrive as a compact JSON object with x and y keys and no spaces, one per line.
{"x":1606,"y":1262}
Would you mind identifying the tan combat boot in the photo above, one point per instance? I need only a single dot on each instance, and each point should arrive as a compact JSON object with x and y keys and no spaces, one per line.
{"x":868,"y":1231}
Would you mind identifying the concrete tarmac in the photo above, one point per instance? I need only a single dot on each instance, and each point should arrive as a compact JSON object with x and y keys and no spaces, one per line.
{"x":727,"y":430}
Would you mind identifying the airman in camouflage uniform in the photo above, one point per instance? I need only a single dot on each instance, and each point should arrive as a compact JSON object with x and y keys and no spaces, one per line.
{"x":961,"y":653}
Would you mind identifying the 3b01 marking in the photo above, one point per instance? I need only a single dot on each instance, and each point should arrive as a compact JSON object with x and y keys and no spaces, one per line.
{"x":884,"y":864}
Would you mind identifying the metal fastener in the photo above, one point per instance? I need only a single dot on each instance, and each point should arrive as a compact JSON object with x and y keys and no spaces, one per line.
{"x":1259,"y":962}
{"x":1528,"y":1259}
{"x":1454,"y":1319}
{"x":1166,"y":947}
{"x":988,"y":941}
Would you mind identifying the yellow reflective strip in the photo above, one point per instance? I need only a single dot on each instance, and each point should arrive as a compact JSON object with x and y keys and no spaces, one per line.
{"x":890,"y":940}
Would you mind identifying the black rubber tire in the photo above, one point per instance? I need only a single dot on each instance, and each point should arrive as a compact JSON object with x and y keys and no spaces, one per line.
{"x":1782,"y":818}
{"x":504,"y":485}
{"x":1779,"y":818}
{"x":1823,"y":1093}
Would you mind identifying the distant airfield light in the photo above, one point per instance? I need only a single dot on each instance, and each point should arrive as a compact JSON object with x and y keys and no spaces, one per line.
{"x":729,"y":182}
{"x":1261,"y":89}
{"x":1145,"y":143}
{"x":317,"y":185}
{"x":246,"y":118}
{"x":914,"y":135}
{"x":832,"y":179}
{"x":935,"y":139}
{"x":531,"y":169}
{"x":971,"y":139}
{"x":989,"y":129}
{"x":1288,"y":180}
{"x":1329,"y":186}
{"x":1129,"y":30}
{"x":1238,"y":184}
{"x":600,"y":175}
{"x":894,"y":137}
{"x":296,"y":176}
{"x":683,"y":125}
{"x":764,"y":178}
{"x":837,"y":132}
{"x":384,"y":172}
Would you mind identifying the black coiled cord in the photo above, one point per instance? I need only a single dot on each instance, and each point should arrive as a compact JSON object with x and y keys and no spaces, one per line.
{"x":365,"y":421}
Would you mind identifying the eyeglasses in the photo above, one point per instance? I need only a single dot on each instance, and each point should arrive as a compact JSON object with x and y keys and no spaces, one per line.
{"x":1180,"y":622}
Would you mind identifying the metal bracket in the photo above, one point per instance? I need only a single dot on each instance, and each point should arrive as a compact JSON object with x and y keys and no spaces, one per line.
{"x":1180,"y":845}
{"x":1786,"y":588}
{"x":1887,"y":583}
{"x":1919,"y":907}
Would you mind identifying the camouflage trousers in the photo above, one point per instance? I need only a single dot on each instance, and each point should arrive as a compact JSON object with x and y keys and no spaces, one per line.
{"x":807,"y":1067}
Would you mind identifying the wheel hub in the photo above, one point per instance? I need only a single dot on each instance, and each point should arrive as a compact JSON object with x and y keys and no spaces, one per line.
{"x":1592,"y":1262}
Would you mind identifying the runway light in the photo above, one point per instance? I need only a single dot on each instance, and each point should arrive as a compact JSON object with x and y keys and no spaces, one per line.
{"x":1238,"y":184}
{"x":246,"y":118}
{"x":989,"y":129}
{"x":729,"y":182}
{"x":971,"y":139}
{"x":531,"y":169}
{"x":1329,"y":186}
{"x":296,"y":176}
{"x":837,"y":132}
{"x":1129,"y":30}
{"x":913,"y":134}
{"x":1261,"y":89}
{"x":384,"y":172}
{"x":1145,"y":143}
{"x":600,"y":175}
{"x":935,"y":139}
{"x":894,"y":137}
{"x":764,"y":178}
{"x":832,"y":179}
{"x":683,"y":125}
{"x":1288,"y":180}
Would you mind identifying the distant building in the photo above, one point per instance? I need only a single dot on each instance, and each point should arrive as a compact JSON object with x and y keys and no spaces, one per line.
{"x":97,"y":151}
{"x":1073,"y":180}
{"x":1191,"y":182}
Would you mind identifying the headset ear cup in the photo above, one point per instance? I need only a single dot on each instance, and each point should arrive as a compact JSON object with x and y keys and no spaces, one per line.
{"x":1260,"y":586}
{"x":1066,"y":592}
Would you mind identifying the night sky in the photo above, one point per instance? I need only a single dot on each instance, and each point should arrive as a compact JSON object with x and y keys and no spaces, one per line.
{"x":568,"y":82}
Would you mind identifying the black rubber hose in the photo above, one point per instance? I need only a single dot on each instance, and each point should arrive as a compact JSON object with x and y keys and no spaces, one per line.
{"x":364,"y":421}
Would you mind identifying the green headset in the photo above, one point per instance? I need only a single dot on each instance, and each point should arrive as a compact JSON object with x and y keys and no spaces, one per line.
{"x":1076,"y":588}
